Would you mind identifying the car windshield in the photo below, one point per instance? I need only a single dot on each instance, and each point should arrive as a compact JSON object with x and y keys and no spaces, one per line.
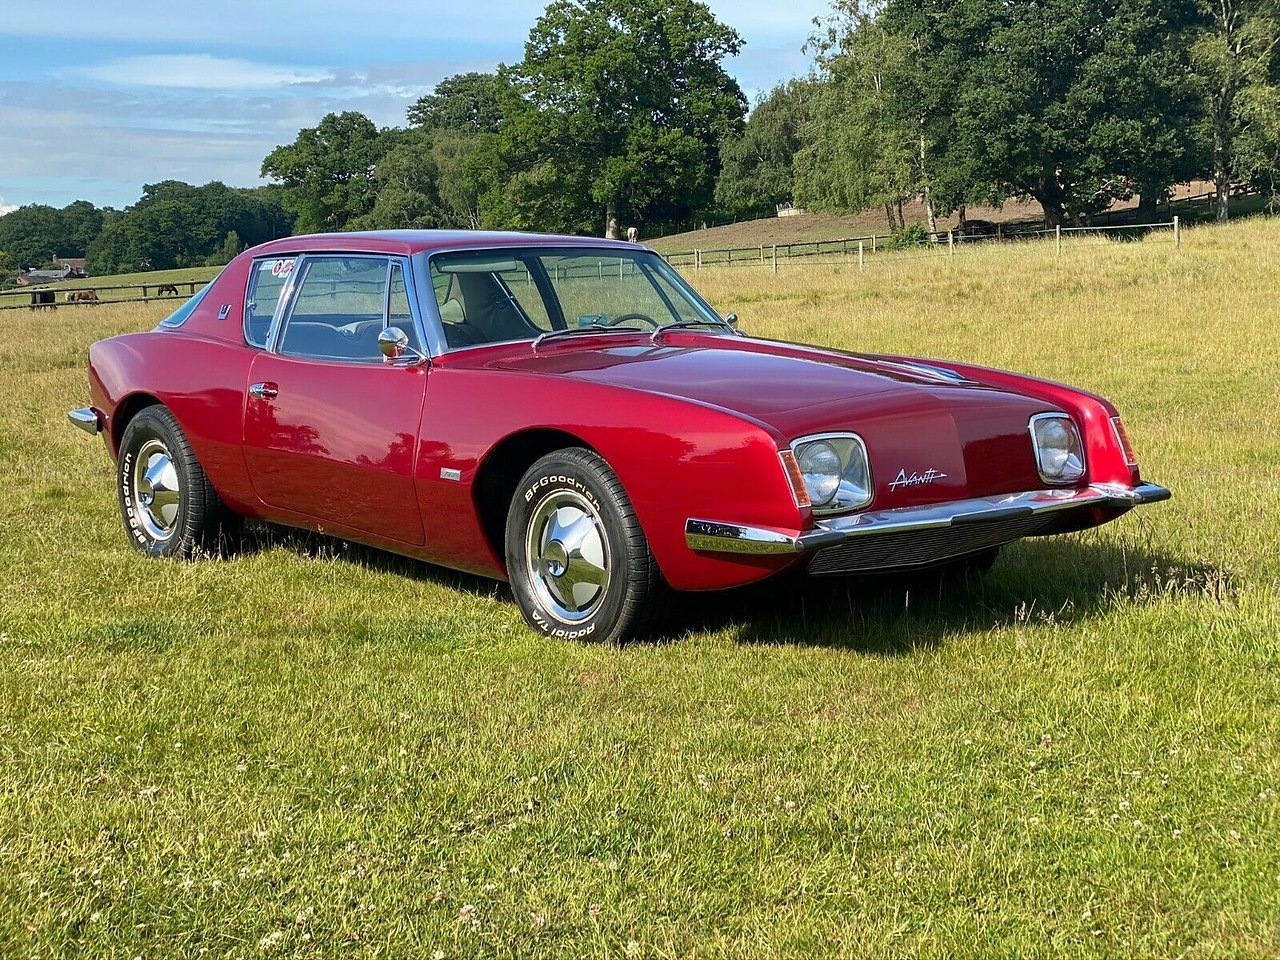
{"x":497,"y":295}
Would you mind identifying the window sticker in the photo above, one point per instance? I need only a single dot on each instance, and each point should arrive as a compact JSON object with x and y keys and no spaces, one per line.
{"x":282,"y":268}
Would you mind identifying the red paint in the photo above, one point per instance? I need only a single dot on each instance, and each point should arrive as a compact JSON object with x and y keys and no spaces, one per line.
{"x":692,"y":424}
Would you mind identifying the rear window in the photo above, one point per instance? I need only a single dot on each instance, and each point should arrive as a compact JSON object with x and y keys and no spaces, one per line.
{"x":179,"y":316}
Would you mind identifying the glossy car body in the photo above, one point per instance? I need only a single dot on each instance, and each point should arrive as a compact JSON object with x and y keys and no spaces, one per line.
{"x":697,"y":423}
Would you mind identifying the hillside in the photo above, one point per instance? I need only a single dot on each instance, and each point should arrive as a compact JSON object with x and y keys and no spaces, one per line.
{"x":813,"y":227}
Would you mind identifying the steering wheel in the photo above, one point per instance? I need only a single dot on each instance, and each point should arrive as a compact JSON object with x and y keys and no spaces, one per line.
{"x":644,"y":317}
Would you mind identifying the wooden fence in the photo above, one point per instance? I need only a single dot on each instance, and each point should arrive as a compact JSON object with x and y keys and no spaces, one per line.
{"x":876,"y":245}
{"x":50,"y":296}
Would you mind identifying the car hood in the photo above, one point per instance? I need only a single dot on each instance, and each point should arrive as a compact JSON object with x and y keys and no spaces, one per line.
{"x":915,"y":418}
{"x":764,"y":380}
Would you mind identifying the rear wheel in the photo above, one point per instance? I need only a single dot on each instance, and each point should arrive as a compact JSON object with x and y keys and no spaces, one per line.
{"x":168,"y":506}
{"x":579,"y":564}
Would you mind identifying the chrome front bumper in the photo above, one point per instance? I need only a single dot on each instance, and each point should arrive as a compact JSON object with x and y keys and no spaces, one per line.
{"x":86,"y":418}
{"x":716,"y":537}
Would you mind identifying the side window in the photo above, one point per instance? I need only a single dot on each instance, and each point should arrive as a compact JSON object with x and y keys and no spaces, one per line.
{"x":486,"y":298}
{"x":339,"y":309}
{"x":265,"y":285}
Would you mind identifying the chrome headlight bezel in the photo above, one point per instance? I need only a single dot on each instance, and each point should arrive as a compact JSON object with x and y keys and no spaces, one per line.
{"x":854,"y":488}
{"x":1072,"y":467}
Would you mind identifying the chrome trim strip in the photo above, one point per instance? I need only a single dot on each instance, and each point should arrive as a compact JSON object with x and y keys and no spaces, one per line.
{"x":713,"y":536}
{"x":86,"y":418}
{"x":733,"y":538}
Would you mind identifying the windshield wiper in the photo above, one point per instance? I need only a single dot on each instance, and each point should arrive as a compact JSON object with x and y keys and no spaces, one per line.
{"x":684,"y":324}
{"x":573,"y":331}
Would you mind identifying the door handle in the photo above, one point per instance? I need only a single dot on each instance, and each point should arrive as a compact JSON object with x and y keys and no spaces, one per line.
{"x":264,"y":391}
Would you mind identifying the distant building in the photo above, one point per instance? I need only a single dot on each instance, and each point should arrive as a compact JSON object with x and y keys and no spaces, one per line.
{"x":79,"y":266}
{"x":69,"y":268}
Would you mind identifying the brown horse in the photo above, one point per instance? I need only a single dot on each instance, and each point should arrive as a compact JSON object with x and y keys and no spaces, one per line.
{"x":166,"y":290}
{"x":82,"y":296}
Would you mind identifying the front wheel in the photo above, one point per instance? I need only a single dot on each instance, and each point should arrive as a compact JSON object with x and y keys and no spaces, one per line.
{"x":579,"y":564}
{"x":168,"y":506}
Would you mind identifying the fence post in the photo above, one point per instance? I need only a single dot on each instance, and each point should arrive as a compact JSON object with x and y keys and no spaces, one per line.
{"x":861,"y":264}
{"x":697,"y":259}
{"x":1177,"y":232}
{"x":951,"y":243}
{"x":1057,"y":230}
{"x":762,"y":253}
{"x":873,"y":243}
{"x":775,"y":258}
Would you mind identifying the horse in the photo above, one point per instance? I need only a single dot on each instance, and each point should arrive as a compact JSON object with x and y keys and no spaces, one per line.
{"x":82,"y":296}
{"x":166,"y":290}
{"x":633,"y":234}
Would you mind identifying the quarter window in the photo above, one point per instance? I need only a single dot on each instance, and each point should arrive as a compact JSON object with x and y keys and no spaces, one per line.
{"x":266,"y":282}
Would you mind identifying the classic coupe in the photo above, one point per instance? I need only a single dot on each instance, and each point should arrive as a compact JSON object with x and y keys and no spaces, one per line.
{"x":571,"y":416}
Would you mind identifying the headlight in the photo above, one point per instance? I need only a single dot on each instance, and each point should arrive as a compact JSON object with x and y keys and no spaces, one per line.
{"x":834,"y":470}
{"x":1059,"y":452}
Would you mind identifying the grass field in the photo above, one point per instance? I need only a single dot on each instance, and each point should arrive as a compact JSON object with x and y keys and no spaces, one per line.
{"x":313,"y":750}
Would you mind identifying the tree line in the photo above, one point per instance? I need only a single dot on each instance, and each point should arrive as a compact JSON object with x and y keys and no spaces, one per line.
{"x":173,"y":224}
{"x":621,"y":112}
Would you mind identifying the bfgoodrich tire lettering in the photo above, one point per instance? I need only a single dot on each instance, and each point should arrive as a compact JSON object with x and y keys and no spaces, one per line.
{"x":167,"y":504}
{"x":579,"y":564}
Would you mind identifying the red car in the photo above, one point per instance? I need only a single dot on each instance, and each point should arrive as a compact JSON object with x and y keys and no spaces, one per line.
{"x":571,"y":416}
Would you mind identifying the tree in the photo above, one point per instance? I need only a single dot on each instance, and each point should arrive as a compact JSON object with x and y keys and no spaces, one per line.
{"x":617,"y":110}
{"x":31,"y":234}
{"x":407,"y":183}
{"x":1075,"y":103}
{"x":8,"y":270}
{"x":465,"y":103}
{"x":231,"y":246}
{"x":756,"y":168}
{"x":1236,"y":54}
{"x":327,"y":173}
{"x":870,"y":141}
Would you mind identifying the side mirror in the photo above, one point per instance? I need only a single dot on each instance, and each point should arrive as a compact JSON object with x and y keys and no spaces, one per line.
{"x":731,"y":319}
{"x":393,"y":343}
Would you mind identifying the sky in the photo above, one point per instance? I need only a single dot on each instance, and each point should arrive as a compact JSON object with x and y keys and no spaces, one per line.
{"x":98,"y":98}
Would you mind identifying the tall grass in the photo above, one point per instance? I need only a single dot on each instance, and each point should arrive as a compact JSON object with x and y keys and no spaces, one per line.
{"x":310,"y":749}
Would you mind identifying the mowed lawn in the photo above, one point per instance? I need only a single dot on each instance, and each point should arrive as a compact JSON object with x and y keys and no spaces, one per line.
{"x":310,"y":749}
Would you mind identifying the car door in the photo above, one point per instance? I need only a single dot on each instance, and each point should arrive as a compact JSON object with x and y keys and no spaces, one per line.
{"x":330,"y":428}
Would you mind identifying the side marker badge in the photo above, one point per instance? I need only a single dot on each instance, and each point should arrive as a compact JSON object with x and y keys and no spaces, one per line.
{"x":448,"y":473}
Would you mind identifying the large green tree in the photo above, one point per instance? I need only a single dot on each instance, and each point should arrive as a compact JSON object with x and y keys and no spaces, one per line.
{"x":1075,"y":103}
{"x":871,"y":139}
{"x":617,"y":111}
{"x":1236,"y":56}
{"x":407,"y":182}
{"x":465,"y":103}
{"x":756,"y":167}
{"x":327,"y":173}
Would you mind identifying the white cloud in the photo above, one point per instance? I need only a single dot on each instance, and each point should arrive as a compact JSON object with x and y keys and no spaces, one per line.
{"x":6,"y":207}
{"x":201,"y":72}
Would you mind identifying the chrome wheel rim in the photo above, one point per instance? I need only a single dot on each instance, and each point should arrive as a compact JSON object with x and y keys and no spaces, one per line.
{"x":567,"y":556}
{"x":157,"y":492}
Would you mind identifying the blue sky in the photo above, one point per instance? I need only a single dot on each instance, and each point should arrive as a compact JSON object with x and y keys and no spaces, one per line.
{"x":98,"y":98}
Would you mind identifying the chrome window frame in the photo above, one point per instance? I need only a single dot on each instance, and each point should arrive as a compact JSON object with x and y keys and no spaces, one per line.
{"x":288,"y":296}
